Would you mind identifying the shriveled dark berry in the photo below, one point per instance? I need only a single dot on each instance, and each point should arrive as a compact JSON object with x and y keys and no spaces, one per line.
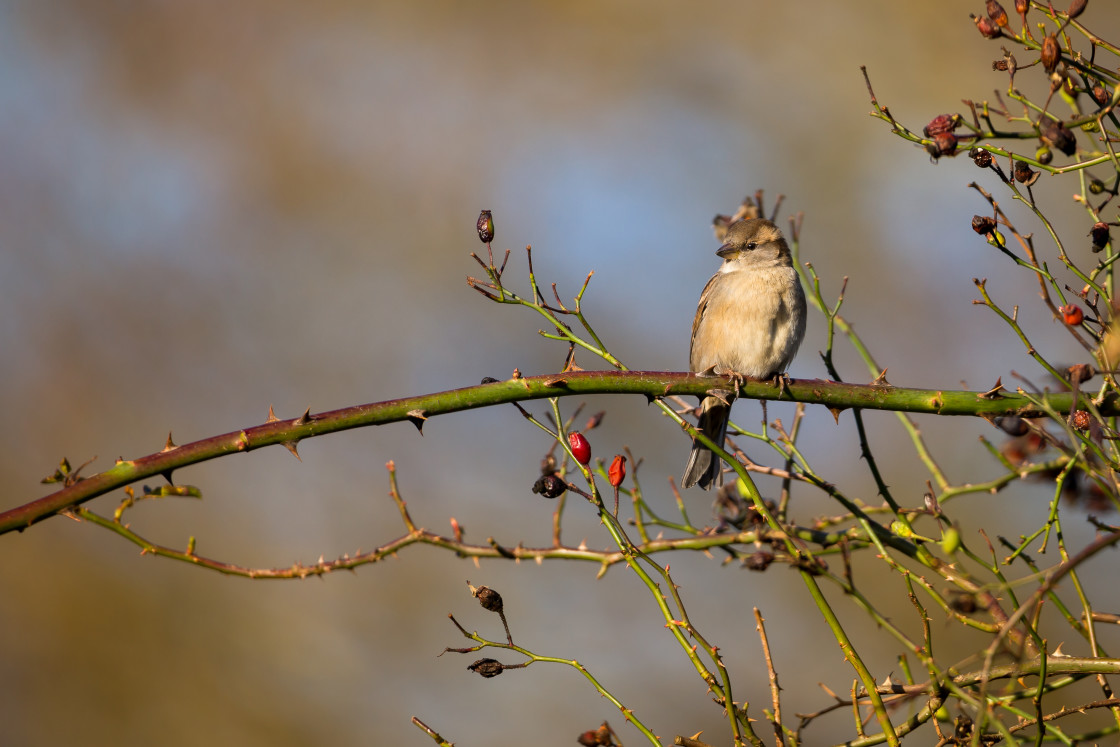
{"x":1051,"y":53}
{"x":1057,"y":136}
{"x":485,"y":227}
{"x":980,"y":157}
{"x":996,"y":13}
{"x":601,"y":737}
{"x":758,"y":561}
{"x":488,"y":598}
{"x":944,"y":144}
{"x":986,"y":27}
{"x":550,"y":486}
{"x":1024,"y":174}
{"x":941,"y":123}
{"x":983,"y":225}
{"x":963,"y":602}
{"x":1012,"y":425}
{"x":1099,"y":232}
{"x":1081,"y":372}
{"x":487,"y":667}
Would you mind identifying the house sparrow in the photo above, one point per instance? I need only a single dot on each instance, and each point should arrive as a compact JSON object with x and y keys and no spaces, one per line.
{"x":749,"y":324}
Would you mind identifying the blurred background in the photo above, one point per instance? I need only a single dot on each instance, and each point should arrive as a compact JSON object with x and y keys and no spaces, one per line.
{"x":207,"y":208}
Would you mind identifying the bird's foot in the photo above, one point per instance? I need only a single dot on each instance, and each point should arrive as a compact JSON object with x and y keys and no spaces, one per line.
{"x":737,"y":379}
{"x":781,"y":381}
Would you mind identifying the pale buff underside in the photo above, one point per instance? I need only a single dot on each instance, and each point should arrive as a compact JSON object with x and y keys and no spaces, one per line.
{"x":755,"y":330}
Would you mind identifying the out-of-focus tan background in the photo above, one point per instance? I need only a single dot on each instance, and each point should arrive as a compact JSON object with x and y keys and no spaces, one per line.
{"x":207,"y":208}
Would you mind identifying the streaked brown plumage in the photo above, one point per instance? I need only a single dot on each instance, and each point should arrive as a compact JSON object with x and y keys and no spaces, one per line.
{"x":750,"y":322}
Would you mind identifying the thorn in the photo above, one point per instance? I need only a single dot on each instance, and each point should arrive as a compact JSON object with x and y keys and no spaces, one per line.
{"x":167,"y":476}
{"x":836,"y":413}
{"x":303,"y":419}
{"x":881,"y":379}
{"x":271,"y":415}
{"x":291,"y":446}
{"x":726,"y":396}
{"x":994,"y":392}
{"x":170,"y":445}
{"x":417,"y":418}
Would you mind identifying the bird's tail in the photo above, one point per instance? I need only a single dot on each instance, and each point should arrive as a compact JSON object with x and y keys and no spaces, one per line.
{"x":703,"y":467}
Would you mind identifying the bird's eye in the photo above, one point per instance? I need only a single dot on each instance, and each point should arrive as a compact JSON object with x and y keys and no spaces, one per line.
{"x":752,"y":245}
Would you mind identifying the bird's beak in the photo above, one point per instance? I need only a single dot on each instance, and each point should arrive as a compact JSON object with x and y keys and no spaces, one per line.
{"x":726,"y":250}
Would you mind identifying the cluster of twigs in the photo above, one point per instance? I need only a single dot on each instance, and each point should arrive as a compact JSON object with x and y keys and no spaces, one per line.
{"x":992,"y":701}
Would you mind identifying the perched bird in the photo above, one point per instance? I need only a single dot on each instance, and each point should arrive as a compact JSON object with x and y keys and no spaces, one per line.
{"x":749,"y":324}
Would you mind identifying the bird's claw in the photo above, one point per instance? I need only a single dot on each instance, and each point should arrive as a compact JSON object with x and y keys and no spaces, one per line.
{"x":736,"y":378}
{"x":782,"y":382}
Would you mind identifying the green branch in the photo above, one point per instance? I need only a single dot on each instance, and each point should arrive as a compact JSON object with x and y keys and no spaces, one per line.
{"x":837,"y":396}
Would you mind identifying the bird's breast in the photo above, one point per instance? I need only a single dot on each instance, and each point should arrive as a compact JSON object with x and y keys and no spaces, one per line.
{"x":751,"y":322}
